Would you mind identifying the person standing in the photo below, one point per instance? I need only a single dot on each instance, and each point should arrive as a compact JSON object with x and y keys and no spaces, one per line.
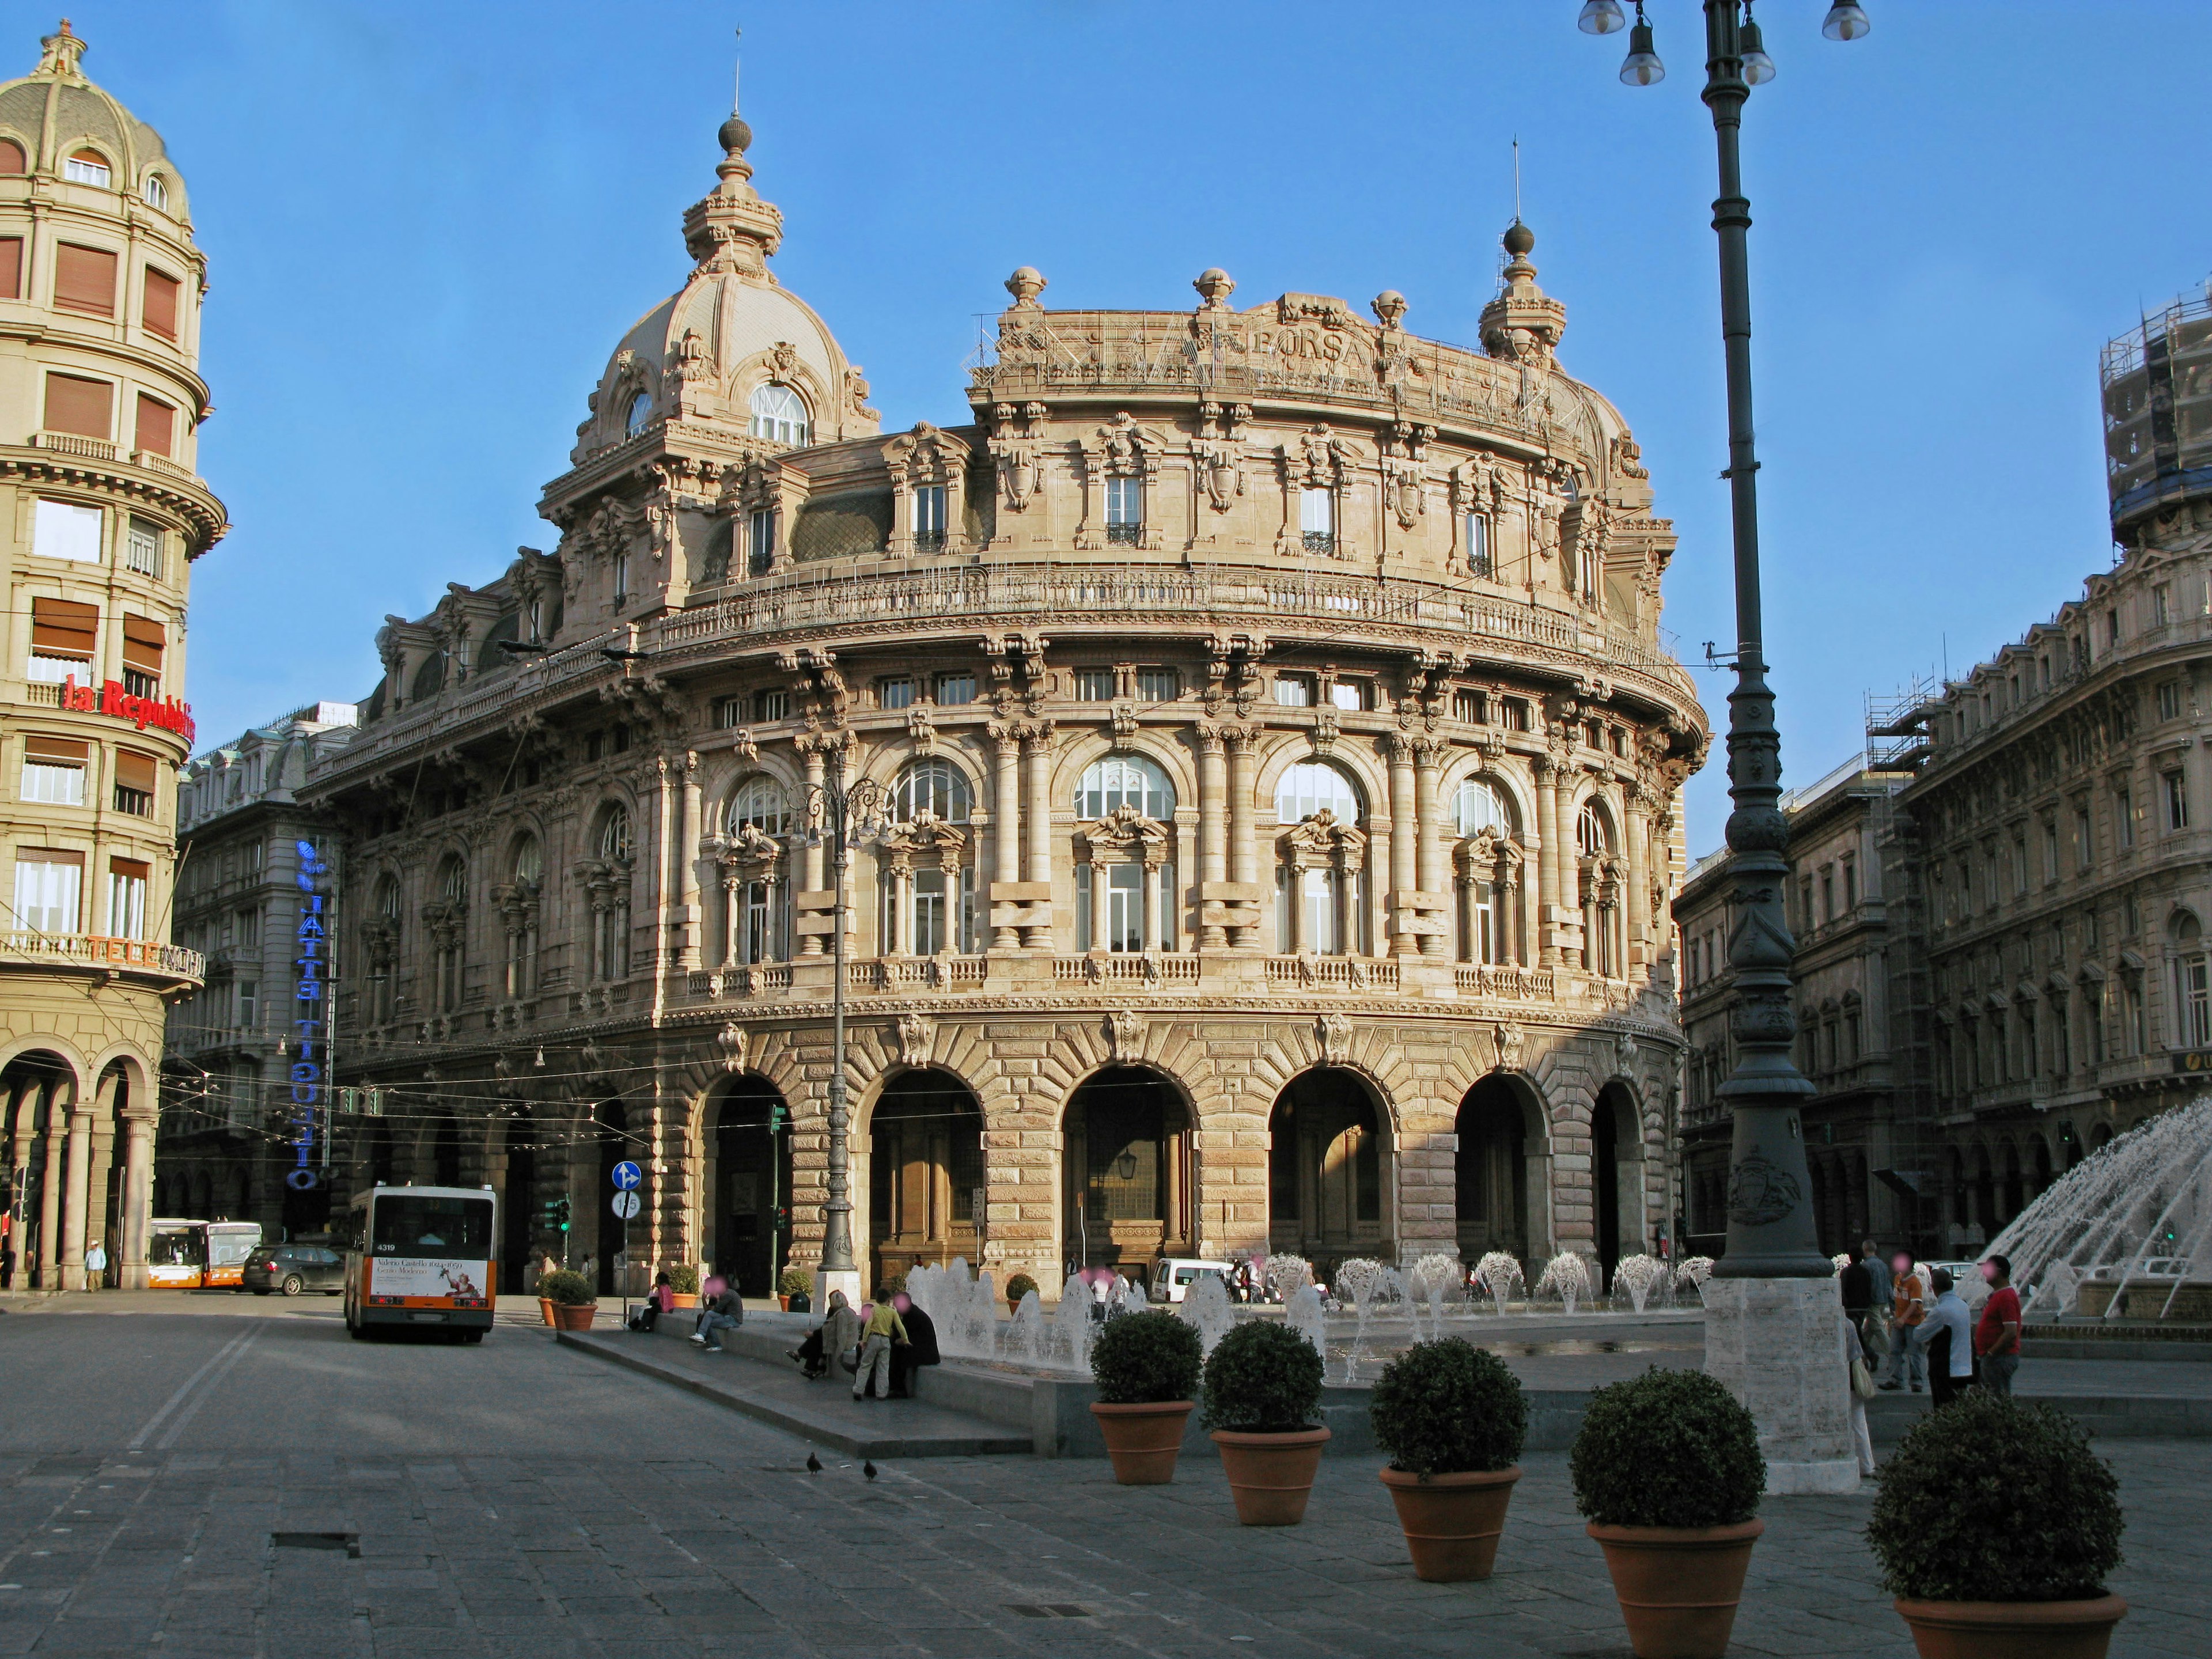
{"x":884,"y":1327}
{"x":1853,"y":1356}
{"x":1908,"y":1302}
{"x":1877,"y":1331}
{"x":1997,"y":1333}
{"x":95,"y":1266}
{"x":1857,"y":1287}
{"x":1946,"y":1336}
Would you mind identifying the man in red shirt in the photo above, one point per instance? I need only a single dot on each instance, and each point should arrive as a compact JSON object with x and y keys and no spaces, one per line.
{"x":1997,"y":1334}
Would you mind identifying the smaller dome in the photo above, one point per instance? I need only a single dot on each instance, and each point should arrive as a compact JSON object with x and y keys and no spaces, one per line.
{"x":1520,"y":241}
{"x":735,"y":135}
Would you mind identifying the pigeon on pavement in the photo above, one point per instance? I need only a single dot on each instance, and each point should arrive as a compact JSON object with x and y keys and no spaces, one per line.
{"x":813,"y":1464}
{"x":868,"y":1469}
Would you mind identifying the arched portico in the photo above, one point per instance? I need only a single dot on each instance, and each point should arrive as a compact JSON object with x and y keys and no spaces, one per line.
{"x":1330,"y":1164}
{"x":1125,"y":1163}
{"x":925,"y":1149}
{"x":1617,"y":1175}
{"x":745,"y":1184}
{"x":1501,"y":1172}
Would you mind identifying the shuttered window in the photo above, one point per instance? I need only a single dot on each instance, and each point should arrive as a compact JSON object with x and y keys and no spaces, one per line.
{"x":53,"y":771}
{"x":156,"y":430}
{"x":62,"y":530}
{"x":63,"y":630}
{"x":11,"y":157}
{"x":84,"y":280}
{"x":126,"y":898}
{"x":11,"y":267}
{"x":48,"y":881}
{"x":134,"y":783}
{"x":78,"y":405}
{"x":87,"y":166}
{"x":161,"y":308}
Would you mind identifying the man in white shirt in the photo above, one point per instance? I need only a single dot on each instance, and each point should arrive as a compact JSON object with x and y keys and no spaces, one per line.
{"x":1946,"y":1336}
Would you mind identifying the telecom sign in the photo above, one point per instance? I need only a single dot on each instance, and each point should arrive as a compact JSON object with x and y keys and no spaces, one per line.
{"x":627,"y":1176}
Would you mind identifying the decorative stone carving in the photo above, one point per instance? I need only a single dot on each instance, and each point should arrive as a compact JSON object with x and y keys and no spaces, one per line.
{"x":1509,"y":1040}
{"x":1334,"y":1032}
{"x":1124,"y":1036}
{"x":732,"y":1040}
{"x":917,"y":1038}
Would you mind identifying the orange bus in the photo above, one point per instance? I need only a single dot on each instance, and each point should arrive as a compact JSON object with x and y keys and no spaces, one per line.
{"x":422,"y":1256}
{"x":184,"y":1255}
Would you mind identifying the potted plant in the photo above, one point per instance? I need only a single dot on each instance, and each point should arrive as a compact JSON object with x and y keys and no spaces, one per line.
{"x":1018,"y":1287}
{"x":1146,"y":1368}
{"x":1667,"y":1466}
{"x":574,"y":1298}
{"x":1263,"y":1404}
{"x":795,"y":1284}
{"x":1452,"y":1418}
{"x":683,"y":1288}
{"x":1995,"y":1526}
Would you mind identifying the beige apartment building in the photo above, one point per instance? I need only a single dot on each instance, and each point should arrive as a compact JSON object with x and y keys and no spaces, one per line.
{"x":1273,"y":764}
{"x":101,"y":514}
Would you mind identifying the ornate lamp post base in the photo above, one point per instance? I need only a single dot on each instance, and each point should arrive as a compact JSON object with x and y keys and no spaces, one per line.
{"x":1773,"y":1342}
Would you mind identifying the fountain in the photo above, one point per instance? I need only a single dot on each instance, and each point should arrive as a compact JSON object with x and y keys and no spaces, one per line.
{"x":1500,"y":1274}
{"x":1437,"y":1278}
{"x":1367,"y":1283}
{"x":1638,"y":1275}
{"x":1207,"y":1310}
{"x":1072,"y":1330}
{"x":1301,"y":1312}
{"x":1284,"y":1274}
{"x":1025,"y":1338}
{"x":1693,"y":1271}
{"x":1566,"y":1276}
{"x":2131,"y":1226}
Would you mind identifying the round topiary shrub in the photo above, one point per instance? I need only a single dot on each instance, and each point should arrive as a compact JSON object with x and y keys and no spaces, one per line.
{"x":570,"y":1290}
{"x":1448,"y":1407}
{"x":683,"y":1280}
{"x":1262,"y":1379}
{"x":1146,"y":1359}
{"x":1995,"y":1499}
{"x":795,"y":1281}
{"x":1018,"y":1287}
{"x":1667,"y":1448}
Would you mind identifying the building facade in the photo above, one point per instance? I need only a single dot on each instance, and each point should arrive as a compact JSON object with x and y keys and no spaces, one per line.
{"x":1263,"y":761}
{"x":100,"y":401}
{"x":224,"y":1147}
{"x":1854,"y":985}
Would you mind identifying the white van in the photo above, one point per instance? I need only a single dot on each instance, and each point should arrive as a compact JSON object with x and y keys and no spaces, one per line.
{"x":1172,"y":1277}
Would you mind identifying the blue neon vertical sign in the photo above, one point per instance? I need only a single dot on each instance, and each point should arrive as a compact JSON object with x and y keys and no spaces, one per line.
{"x":310,"y":1016}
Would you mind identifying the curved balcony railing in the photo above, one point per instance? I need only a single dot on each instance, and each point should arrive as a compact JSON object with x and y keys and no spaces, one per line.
{"x":97,"y":951}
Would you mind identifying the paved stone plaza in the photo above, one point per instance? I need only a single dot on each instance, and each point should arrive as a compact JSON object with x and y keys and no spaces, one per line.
{"x":506,"y":1500}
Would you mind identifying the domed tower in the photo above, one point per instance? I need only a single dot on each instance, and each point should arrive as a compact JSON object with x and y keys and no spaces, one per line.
{"x":702,"y":395}
{"x":100,"y":401}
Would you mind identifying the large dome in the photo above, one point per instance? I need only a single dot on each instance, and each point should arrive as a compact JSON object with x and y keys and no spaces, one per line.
{"x":54,"y":116}
{"x":733,"y":349}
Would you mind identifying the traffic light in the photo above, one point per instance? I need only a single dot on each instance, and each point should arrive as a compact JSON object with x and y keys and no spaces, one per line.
{"x":555,"y":1212}
{"x":779,"y":1116}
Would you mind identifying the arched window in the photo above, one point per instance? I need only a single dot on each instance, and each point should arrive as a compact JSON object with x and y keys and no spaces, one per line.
{"x":932,"y":786}
{"x":614,"y":833}
{"x":1602,"y":878}
{"x":519,"y":912}
{"x":11,"y":158}
{"x":1310,"y":786}
{"x":1481,"y":806}
{"x":453,"y":881}
{"x":779,"y":415}
{"x":157,"y":192}
{"x":87,"y":166}
{"x":383,"y":952}
{"x":638,"y":416}
{"x":1589,"y":831}
{"x":447,"y":919}
{"x":2193,"y":983}
{"x":1125,"y":780}
{"x":529,"y":863}
{"x":760,"y":802}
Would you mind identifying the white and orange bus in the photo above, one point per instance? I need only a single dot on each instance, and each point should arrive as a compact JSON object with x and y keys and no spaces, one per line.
{"x":422,"y":1257}
{"x":183,"y":1255}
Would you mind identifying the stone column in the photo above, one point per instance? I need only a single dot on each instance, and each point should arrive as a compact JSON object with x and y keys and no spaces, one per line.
{"x":1148,"y":924}
{"x":1429,"y":846}
{"x":1005,"y":830}
{"x":1243,"y":850}
{"x":1403,"y":828}
{"x":1101,"y":883}
{"x":1635,"y":817}
{"x":1547,"y":862}
{"x":21,"y":1107}
{"x":691,"y":917}
{"x":77,"y":1187}
{"x":137,"y":1205}
{"x":1213,"y":833}
{"x":59,"y":1100}
{"x":730,"y":886}
{"x":1037,"y":811}
{"x":811,"y":944}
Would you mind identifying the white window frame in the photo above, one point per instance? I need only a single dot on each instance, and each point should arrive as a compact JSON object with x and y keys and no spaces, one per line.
{"x":142,"y":547}
{"x":88,"y":173}
{"x":66,"y":529}
{"x":126,"y":906}
{"x":53,"y":783}
{"x":156,"y":193}
{"x":49,"y":895}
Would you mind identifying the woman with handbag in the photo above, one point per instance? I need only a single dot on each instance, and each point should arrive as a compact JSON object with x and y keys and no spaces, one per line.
{"x":1860,"y":1386}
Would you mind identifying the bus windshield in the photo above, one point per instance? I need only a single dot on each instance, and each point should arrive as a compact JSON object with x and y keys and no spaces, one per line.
{"x":174,"y":1249}
{"x":410,"y":1226}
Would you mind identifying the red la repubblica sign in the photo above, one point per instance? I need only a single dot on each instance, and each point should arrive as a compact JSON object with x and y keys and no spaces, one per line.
{"x":164,"y":713}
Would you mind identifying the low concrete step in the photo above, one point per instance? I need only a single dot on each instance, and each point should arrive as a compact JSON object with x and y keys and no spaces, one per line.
{"x":824,"y":1412}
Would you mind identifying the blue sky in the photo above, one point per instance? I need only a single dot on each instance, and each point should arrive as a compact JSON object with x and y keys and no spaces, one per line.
{"x":429,"y":226}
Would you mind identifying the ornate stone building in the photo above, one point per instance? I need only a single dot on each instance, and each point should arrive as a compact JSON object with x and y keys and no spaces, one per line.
{"x":1277,"y":767}
{"x":220,"y":1151}
{"x":100,"y":401}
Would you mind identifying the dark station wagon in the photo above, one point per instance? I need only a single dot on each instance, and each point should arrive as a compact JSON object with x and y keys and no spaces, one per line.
{"x":292,"y":1269}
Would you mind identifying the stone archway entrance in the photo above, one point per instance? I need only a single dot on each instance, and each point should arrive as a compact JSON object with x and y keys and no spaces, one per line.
{"x":1617,"y":1176}
{"x":747,"y":1184}
{"x":1125,"y":1171}
{"x":924,"y":1165}
{"x":1492,"y":1173}
{"x":36,"y":1093}
{"x":1329,"y":1165}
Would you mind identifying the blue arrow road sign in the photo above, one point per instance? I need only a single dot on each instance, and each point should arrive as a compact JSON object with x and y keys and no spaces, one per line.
{"x":628,"y":1176}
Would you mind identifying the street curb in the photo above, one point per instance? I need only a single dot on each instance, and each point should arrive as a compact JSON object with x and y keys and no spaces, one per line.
{"x":793,"y":1422}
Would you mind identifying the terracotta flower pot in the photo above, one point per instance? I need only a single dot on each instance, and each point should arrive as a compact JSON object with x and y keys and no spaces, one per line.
{"x":1143,"y":1439}
{"x":2013,"y":1630}
{"x":1271,"y":1475}
{"x":575,"y":1317}
{"x":545,"y":1308}
{"x":1452,"y":1521}
{"x":783,"y":1301}
{"x":1678,"y":1586}
{"x":684,"y":1298}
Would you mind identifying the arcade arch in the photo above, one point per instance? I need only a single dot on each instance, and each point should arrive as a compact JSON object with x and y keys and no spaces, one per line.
{"x":745,"y":1184}
{"x":1330,"y":1164}
{"x":1126,"y":1165}
{"x":924,"y":1148}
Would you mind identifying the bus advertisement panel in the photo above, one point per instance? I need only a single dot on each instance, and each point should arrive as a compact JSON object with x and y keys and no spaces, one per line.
{"x":422,"y":1255}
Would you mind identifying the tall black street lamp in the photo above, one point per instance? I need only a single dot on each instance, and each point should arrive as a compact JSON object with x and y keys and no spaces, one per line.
{"x":835,"y":812}
{"x":1770,"y":1233}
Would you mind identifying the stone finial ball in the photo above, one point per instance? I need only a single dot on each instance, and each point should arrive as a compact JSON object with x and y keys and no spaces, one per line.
{"x":1519,"y":239}
{"x":1389,"y":306}
{"x":1025,"y":284}
{"x":735,"y":134}
{"x":1215,"y":285}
